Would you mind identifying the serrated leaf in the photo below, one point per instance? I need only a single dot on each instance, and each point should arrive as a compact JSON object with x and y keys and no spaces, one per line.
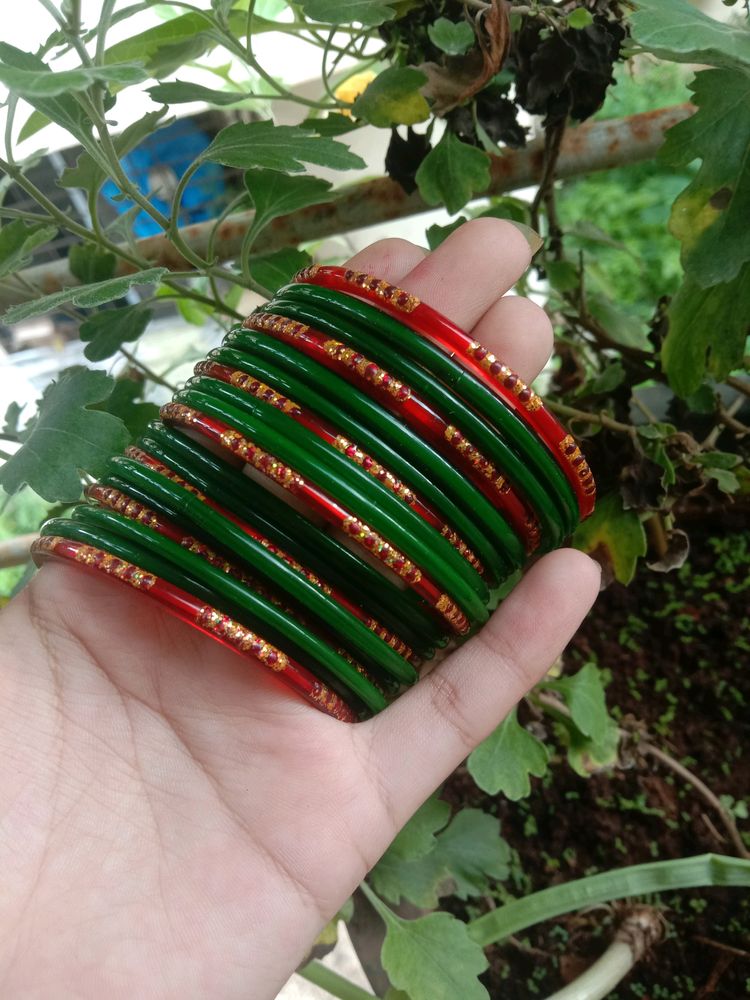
{"x":710,"y":217}
{"x":31,"y":83}
{"x":274,"y":193}
{"x":331,"y":125}
{"x":452,"y":173}
{"x":276,"y":269}
{"x":278,"y":147}
{"x":105,"y":333}
{"x":417,"y":837}
{"x":587,"y":756}
{"x":368,"y":13}
{"x":90,"y":264}
{"x":18,"y":240}
{"x":393,"y":98}
{"x":86,"y":296}
{"x":707,"y":331}
{"x":472,"y":849}
{"x":183,"y":92}
{"x":583,"y":693}
{"x":166,"y":47}
{"x":433,"y":958}
{"x":679,"y":31}
{"x":126,"y":403}
{"x":88,"y":175}
{"x":614,"y":536}
{"x":452,"y":37}
{"x":66,"y":437}
{"x":11,"y":418}
{"x":506,"y":759}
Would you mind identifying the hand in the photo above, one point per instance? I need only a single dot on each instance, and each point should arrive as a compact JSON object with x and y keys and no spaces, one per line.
{"x":174,"y":824}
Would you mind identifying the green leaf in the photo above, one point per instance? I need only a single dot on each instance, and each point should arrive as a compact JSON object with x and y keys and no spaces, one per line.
{"x":411,"y":867}
{"x":85,"y":296}
{"x":437,"y":234}
{"x":393,"y":98}
{"x":90,"y":264}
{"x":711,"y":215}
{"x":33,"y":124}
{"x":580,"y":18}
{"x":368,"y":13}
{"x":452,"y":37}
{"x":472,"y":849}
{"x":331,"y":125}
{"x":126,"y":403}
{"x":707,"y":331}
{"x":433,"y":958}
{"x":417,"y":838}
{"x":677,"y":30}
{"x":583,"y":693}
{"x":29,"y":83}
{"x":181,"y":92}
{"x":18,"y":240}
{"x":452,"y":173}
{"x":88,"y":175}
{"x":504,"y":761}
{"x":67,"y":437}
{"x":273,"y":193}
{"x":166,"y":47}
{"x":105,"y":333}
{"x":11,"y":418}
{"x":587,"y":756}
{"x":276,"y":269}
{"x":613,"y":535}
{"x":62,"y":109}
{"x":621,"y":326}
{"x":278,"y":147}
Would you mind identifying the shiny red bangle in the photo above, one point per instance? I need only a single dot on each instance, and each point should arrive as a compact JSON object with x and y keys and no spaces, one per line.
{"x":254,"y":387}
{"x":399,"y":398}
{"x":138,"y":455}
{"x":475,"y":358}
{"x":201,"y":616}
{"x":233,"y":442}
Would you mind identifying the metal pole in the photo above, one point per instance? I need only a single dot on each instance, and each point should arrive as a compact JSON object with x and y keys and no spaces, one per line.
{"x":598,"y":145}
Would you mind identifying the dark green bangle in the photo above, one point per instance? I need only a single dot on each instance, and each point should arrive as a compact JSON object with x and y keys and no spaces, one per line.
{"x":165,"y":496}
{"x":343,"y":486}
{"x":556,"y":504}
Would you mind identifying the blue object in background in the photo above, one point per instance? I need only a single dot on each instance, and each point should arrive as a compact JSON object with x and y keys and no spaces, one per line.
{"x":156,"y":166}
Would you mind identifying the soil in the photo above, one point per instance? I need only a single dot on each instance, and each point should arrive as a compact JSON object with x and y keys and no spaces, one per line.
{"x":677,"y":647}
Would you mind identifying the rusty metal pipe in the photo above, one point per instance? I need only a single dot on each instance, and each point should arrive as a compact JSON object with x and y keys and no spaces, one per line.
{"x":598,"y":145}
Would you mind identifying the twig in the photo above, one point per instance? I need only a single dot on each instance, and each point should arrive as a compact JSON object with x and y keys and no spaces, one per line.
{"x":148,"y":372}
{"x":592,"y":418}
{"x":739,"y":384}
{"x":728,"y":948}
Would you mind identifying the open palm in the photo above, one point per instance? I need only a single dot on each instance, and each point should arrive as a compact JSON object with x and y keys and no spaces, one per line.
{"x":175,"y":824}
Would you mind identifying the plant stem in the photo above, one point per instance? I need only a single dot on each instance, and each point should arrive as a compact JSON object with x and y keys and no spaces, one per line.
{"x":592,"y":418}
{"x":320,"y":975}
{"x":148,"y":372}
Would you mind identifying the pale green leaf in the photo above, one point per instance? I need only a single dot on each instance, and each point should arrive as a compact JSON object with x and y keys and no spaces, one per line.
{"x":473,"y":851}
{"x":393,"y":98}
{"x":507,"y":758}
{"x":168,"y":46}
{"x":707,"y":331}
{"x":580,"y":18}
{"x":452,"y":37}
{"x":66,"y":437}
{"x":18,"y":240}
{"x":680,"y":31}
{"x":369,"y":13}
{"x":452,"y":173}
{"x":85,"y":296}
{"x":278,"y":147}
{"x":587,"y":756}
{"x":614,"y":536}
{"x":273,"y":270}
{"x":583,"y":693}
{"x":182,"y":92}
{"x":30,"y":83}
{"x":90,"y":264}
{"x":417,"y":837}
{"x":710,"y":217}
{"x":106,"y":332}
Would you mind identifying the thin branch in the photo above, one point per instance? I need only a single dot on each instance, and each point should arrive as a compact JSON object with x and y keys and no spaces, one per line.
{"x":148,"y":372}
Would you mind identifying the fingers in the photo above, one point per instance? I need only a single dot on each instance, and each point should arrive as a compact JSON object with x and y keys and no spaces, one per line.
{"x":388,"y":259}
{"x":519,"y":332}
{"x":417,"y":742}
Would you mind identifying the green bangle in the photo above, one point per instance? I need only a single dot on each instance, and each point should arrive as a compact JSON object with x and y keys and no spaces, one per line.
{"x":555,"y":503}
{"x":343,"y":486}
{"x":400,"y":611}
{"x":176,"y":503}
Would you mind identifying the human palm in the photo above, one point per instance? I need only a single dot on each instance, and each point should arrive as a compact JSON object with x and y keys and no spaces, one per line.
{"x":175,"y":824}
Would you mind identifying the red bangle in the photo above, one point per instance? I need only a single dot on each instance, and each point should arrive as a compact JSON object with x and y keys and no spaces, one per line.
{"x":138,"y":455}
{"x":475,"y":358}
{"x":324,"y":430}
{"x":201,"y":616}
{"x":232,"y":441}
{"x":399,"y":398}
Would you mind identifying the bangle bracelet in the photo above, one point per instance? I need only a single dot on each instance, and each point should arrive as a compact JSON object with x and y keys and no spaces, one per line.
{"x":229,"y":438}
{"x":459,"y":502}
{"x":450,"y":338}
{"x":198,"y":614}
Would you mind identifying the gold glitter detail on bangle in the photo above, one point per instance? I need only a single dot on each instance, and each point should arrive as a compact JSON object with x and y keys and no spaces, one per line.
{"x":331,"y":702}
{"x":379,"y":472}
{"x":273,"y":323}
{"x":392,"y":640}
{"x":460,"y":545}
{"x":121,"y":503}
{"x":367,"y":369}
{"x":383,"y":550}
{"x":240,"y":637}
{"x":254,"y":387}
{"x":571,"y":451}
{"x":504,"y":376}
{"x":402,"y":300}
{"x":138,"y":455}
{"x":453,"y":614}
{"x":89,"y":555}
{"x":483,"y":466}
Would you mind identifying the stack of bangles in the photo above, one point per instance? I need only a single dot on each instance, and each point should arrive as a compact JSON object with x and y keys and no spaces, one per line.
{"x":341,"y":490}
